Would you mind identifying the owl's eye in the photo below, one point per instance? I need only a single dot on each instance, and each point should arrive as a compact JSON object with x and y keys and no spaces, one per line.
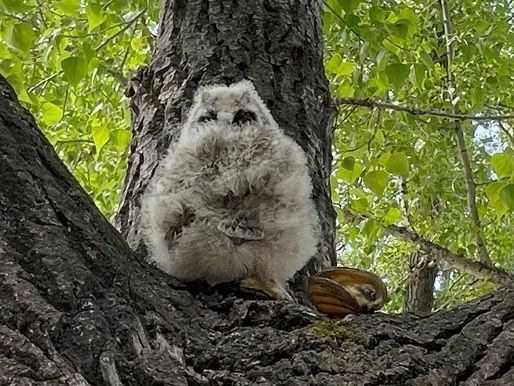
{"x":243,"y":116}
{"x":208,"y":116}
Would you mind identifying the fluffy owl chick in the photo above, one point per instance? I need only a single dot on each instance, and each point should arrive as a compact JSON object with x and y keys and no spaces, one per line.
{"x":232,"y":200}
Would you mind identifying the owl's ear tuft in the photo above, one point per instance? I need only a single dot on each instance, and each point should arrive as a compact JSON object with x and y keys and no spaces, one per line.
{"x":203,"y":95}
{"x":245,"y":84}
{"x":247,"y":90}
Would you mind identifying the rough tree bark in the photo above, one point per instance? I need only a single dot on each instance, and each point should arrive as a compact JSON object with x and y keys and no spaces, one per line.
{"x":419,"y":297}
{"x":79,"y":307}
{"x":275,"y":43}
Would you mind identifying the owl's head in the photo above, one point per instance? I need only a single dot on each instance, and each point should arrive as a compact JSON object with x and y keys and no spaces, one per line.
{"x":236,"y":105}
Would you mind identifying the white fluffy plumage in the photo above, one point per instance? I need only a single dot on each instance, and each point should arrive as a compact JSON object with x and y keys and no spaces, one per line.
{"x":232,"y":199}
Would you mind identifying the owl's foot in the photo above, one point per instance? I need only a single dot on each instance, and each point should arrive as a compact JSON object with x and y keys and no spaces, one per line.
{"x":268,"y":287}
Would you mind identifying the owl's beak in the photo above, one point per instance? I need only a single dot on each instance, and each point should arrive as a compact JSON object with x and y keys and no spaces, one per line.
{"x":225,"y":117}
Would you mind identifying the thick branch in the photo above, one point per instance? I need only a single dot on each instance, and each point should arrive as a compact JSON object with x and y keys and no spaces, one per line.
{"x":373,"y":103}
{"x":478,"y":269}
{"x":461,"y":142}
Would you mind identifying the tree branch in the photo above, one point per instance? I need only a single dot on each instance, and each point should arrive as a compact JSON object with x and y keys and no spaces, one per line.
{"x":461,"y":142}
{"x":506,"y":132}
{"x":373,"y":103}
{"x":478,"y":269}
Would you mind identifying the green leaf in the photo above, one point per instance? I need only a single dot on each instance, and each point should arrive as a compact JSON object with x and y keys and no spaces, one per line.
{"x":68,"y":7}
{"x":345,"y":68}
{"x":359,"y":205}
{"x":75,"y":69}
{"x":507,"y":195}
{"x":138,"y":43}
{"x":348,"y":163}
{"x":398,"y":164}
{"x":100,"y":135}
{"x":14,"y":6}
{"x":52,"y":113}
{"x":345,"y":90}
{"x":376,"y":14}
{"x":392,"y":216}
{"x":384,"y":159}
{"x":503,"y":163}
{"x":376,"y":181}
{"x":371,"y":229}
{"x":397,"y":73}
{"x":350,"y":175}
{"x":95,"y":16}
{"x":349,"y":5}
{"x":492,"y":191}
{"x":121,"y":139}
{"x":334,"y":63}
{"x":22,"y":37}
{"x":390,"y":46}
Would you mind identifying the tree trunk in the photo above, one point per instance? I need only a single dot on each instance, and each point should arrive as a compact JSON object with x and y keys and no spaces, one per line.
{"x":79,"y":307}
{"x":420,"y":287}
{"x":275,"y":43}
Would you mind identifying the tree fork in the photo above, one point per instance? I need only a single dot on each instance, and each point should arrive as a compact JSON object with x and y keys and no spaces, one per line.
{"x":79,"y":307}
{"x":278,"y":45}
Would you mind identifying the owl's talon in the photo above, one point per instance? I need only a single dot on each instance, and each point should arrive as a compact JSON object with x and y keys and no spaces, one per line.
{"x":268,"y":288}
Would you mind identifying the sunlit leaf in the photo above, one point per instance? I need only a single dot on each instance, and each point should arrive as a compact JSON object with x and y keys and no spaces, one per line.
{"x":397,"y":73}
{"x":100,"y":135}
{"x":503,"y":163}
{"x":51,"y":113}
{"x":68,"y":7}
{"x":22,"y":36}
{"x":377,"y":181}
{"x":398,"y":164}
{"x":392,"y":216}
{"x":507,"y":195}
{"x":333,"y":64}
{"x":121,"y":139}
{"x":95,"y":15}
{"x":75,"y":69}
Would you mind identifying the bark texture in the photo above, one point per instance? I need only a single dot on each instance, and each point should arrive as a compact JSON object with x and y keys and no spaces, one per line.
{"x":275,"y":43}
{"x":78,"y":307}
{"x":423,"y":270}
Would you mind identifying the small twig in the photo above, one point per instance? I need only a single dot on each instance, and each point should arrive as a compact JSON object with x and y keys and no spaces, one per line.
{"x":65,"y":103}
{"x":43,"y":81}
{"x":506,"y":132}
{"x":332,"y":10}
{"x":372,"y":103}
{"x":127,"y":25}
{"x":106,"y":5}
{"x":40,"y":11}
{"x":449,"y":290}
{"x":73,"y":142}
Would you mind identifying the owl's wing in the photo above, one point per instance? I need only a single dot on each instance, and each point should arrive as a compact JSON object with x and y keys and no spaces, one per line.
{"x":175,"y":230}
{"x":240,"y":231}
